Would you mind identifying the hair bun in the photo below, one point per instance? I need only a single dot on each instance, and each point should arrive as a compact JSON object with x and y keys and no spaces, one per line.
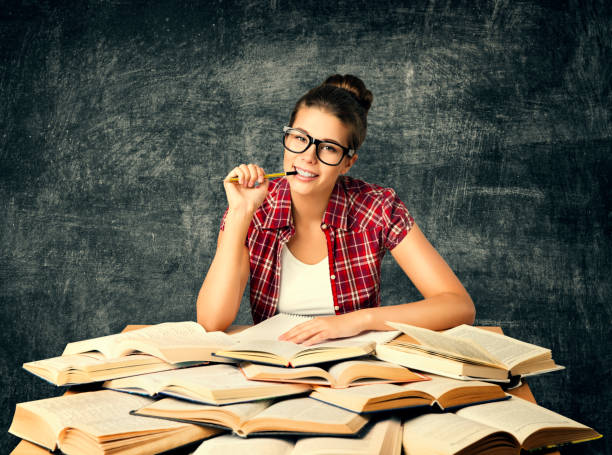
{"x":355,"y":86}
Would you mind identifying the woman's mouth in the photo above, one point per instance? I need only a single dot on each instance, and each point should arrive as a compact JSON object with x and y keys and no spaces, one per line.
{"x":303,"y":174}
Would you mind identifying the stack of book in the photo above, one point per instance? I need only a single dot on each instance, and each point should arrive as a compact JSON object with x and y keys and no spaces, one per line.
{"x":173,"y":384}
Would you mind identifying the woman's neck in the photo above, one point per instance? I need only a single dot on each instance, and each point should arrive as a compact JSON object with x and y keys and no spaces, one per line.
{"x":308,"y":210}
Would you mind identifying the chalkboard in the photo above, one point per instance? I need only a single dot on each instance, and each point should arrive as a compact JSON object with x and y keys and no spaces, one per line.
{"x":491,"y":120}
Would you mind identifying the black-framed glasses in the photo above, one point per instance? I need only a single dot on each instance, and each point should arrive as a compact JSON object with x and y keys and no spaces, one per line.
{"x":328,"y":152}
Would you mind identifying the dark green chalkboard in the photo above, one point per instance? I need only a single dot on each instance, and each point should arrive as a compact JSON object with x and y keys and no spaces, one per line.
{"x":491,"y":119}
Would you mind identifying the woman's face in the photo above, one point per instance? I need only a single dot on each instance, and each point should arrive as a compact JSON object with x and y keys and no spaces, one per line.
{"x":315,"y":178}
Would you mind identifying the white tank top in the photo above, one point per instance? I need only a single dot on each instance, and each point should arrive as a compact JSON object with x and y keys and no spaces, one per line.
{"x":304,"y":288}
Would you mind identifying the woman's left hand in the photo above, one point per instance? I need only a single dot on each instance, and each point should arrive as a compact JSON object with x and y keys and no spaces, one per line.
{"x":324,"y":328}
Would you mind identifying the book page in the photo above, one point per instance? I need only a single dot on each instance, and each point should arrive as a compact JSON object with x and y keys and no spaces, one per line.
{"x":284,"y":349}
{"x":361,"y":392}
{"x":272,"y":328}
{"x":84,"y":362}
{"x":507,"y":349}
{"x":375,"y":369}
{"x":168,"y":334}
{"x":380,"y":439}
{"x":102,"y":412}
{"x":203,"y":381}
{"x":447,"y":344}
{"x":268,"y":372}
{"x":309,"y":410}
{"x":230,"y":444}
{"x":439,"y":385}
{"x":65,"y":362}
{"x":376,"y":396}
{"x":445,"y":433}
{"x":517,"y":416}
{"x":182,"y":409}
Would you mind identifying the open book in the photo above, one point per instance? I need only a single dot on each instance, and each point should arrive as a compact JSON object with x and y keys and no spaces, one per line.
{"x":93,"y":367}
{"x":293,"y":416}
{"x":260,"y":344}
{"x":172,"y":342}
{"x":382,"y":438}
{"x":99,"y":423}
{"x":466,"y":352}
{"x":156,"y":348}
{"x":493,"y":428}
{"x":439,"y":391}
{"x":211,"y":384}
{"x":338,"y":375}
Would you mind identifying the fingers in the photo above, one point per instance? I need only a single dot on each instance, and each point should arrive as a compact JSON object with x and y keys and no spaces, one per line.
{"x":247,"y":175}
{"x":307,"y":333}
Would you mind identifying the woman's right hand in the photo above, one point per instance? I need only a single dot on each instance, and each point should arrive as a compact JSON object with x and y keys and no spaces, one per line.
{"x":250,"y":190}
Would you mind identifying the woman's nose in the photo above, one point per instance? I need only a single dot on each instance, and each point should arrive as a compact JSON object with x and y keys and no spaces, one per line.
{"x":310,"y":154}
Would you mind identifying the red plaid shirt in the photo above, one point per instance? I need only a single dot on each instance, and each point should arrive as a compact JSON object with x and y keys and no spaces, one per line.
{"x":361,"y":223}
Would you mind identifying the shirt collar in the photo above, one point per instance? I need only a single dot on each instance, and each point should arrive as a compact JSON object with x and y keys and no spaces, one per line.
{"x":280,"y":206}
{"x":279,"y":198}
{"x":337,"y":209}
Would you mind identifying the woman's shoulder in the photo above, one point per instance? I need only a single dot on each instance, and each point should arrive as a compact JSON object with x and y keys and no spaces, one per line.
{"x":360,"y":190}
{"x":370,"y":205}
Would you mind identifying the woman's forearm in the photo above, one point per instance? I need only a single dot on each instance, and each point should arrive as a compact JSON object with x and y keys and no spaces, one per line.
{"x":438,"y":312}
{"x":220,"y":295}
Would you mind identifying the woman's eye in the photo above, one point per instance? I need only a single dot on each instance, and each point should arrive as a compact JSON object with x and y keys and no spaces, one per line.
{"x":330,"y":148}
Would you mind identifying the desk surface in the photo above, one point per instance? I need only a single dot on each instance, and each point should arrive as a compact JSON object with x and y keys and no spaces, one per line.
{"x":27,"y":448}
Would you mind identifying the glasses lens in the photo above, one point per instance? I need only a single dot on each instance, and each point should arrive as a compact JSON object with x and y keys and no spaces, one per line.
{"x":296,"y":141}
{"x":330,"y":153}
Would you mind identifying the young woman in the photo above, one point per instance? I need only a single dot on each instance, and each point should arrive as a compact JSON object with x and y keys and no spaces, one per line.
{"x":312,"y":243}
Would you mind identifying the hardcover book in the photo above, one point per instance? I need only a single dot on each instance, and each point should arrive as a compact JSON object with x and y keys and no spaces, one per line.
{"x":499,"y":428}
{"x":210,"y":384}
{"x":465,"y":352}
{"x":444,"y":393}
{"x":99,"y":422}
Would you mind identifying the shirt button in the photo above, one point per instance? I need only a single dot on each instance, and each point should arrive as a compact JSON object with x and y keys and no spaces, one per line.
{"x":324,"y":226}
{"x":333,"y":277}
{"x":336,"y":308}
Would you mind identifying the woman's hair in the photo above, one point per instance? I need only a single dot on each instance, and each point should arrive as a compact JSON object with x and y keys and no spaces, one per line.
{"x":345,"y":97}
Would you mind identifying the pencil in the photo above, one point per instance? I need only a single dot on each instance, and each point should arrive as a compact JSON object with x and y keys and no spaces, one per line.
{"x":268,"y":176}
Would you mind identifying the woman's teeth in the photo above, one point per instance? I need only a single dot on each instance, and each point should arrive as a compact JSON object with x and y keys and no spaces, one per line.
{"x":304,"y":173}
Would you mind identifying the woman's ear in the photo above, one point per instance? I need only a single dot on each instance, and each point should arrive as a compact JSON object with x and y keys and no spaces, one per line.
{"x":348,"y":163}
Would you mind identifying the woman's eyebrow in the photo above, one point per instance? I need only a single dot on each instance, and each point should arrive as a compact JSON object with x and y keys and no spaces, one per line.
{"x":335,"y":141}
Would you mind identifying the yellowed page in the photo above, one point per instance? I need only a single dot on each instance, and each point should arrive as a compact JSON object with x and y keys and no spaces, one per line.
{"x":362,"y":392}
{"x":102,"y":412}
{"x":508,"y":350}
{"x":187,"y":410}
{"x":377,"y":369}
{"x":306,"y":410}
{"x":231,"y":444}
{"x":284,"y":349}
{"x":50,"y":369}
{"x":150,"y":339}
{"x":442,"y":434}
{"x":380,"y":439}
{"x":271,"y":328}
{"x":264,"y":336}
{"x":212,"y":382}
{"x":439,"y":385}
{"x":447,"y":344}
{"x":517,"y":416}
{"x":77,"y":367}
{"x":311,"y":374}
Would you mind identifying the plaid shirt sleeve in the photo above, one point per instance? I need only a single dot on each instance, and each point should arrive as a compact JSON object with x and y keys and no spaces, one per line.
{"x":398,"y":220}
